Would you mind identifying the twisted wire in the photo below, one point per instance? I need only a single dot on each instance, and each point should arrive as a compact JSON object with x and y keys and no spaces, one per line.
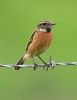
{"x":51,"y":64}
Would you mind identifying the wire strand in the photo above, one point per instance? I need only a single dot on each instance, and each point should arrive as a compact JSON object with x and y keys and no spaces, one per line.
{"x":51,"y":64}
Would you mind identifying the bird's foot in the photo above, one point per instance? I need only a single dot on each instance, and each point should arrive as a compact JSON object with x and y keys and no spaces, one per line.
{"x":16,"y":67}
{"x":35,"y":66}
{"x":47,"y":66}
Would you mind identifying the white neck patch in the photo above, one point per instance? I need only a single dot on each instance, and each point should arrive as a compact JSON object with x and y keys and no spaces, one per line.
{"x":42,"y":30}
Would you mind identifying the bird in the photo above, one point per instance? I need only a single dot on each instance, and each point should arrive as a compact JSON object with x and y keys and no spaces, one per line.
{"x":39,"y":41}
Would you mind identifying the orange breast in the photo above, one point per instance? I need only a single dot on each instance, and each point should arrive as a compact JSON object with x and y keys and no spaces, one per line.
{"x":40,"y":43}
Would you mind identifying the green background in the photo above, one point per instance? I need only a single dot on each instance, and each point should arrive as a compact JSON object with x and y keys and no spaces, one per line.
{"x":18,"y":19}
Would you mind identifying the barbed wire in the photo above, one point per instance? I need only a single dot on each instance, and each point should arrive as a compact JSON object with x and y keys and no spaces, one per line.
{"x":51,"y":64}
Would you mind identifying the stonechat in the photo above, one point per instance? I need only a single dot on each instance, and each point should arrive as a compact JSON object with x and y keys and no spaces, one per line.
{"x":40,"y":40}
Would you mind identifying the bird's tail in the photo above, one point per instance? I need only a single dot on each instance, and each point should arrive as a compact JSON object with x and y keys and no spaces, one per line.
{"x":21,"y":61}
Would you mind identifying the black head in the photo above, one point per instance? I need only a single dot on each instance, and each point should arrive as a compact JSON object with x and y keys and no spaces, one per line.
{"x":45,"y":26}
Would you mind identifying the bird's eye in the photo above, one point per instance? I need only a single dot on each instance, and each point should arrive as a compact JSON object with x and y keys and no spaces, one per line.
{"x":44,"y":23}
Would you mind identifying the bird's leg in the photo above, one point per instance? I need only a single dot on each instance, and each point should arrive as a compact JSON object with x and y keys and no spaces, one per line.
{"x":35,"y":65}
{"x":44,"y":63}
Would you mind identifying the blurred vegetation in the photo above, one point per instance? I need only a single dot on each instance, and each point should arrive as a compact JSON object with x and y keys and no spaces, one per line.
{"x":18,"y":19}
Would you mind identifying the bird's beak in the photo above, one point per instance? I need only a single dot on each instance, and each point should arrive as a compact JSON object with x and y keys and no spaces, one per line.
{"x":54,"y":24}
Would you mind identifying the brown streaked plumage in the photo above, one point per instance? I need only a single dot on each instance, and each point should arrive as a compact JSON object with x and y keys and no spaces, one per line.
{"x":39,"y":45}
{"x":39,"y":41}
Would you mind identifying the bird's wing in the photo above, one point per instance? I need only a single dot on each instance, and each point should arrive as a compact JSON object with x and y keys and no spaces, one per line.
{"x":30,"y":41}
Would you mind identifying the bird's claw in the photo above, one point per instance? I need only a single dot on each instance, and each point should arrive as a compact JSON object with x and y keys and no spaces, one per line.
{"x":46,"y":65}
{"x":35,"y":66}
{"x":16,"y":67}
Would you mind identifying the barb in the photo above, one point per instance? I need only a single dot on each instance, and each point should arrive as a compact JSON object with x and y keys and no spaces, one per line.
{"x":51,"y":64}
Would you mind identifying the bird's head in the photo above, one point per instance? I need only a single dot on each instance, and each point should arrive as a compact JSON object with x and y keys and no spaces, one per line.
{"x":45,"y":26}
